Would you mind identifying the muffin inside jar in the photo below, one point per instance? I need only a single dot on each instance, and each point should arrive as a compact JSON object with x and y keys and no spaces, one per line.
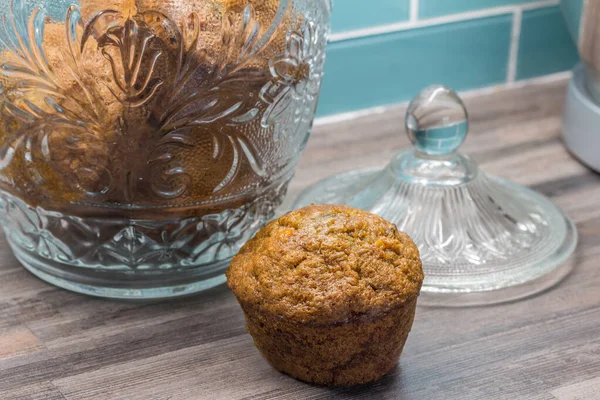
{"x":142,"y":142}
{"x":149,"y":105}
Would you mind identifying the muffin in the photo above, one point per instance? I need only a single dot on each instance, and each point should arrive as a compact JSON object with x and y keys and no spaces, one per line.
{"x":329,"y":293}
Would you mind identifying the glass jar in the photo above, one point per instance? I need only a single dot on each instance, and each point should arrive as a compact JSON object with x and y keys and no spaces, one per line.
{"x":142,"y":142}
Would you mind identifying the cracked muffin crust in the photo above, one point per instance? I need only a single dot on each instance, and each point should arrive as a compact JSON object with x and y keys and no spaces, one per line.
{"x":329,"y":293}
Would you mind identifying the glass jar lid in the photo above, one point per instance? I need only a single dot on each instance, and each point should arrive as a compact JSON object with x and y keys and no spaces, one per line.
{"x":482,"y":239}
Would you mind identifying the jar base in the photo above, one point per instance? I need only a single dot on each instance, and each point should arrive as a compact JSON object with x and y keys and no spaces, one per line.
{"x":116,"y":285}
{"x":127,"y":258}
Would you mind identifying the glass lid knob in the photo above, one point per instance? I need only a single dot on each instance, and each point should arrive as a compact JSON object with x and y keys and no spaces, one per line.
{"x":437,"y":121}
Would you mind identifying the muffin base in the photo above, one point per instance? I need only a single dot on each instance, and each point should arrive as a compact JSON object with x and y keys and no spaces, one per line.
{"x":345,"y":354}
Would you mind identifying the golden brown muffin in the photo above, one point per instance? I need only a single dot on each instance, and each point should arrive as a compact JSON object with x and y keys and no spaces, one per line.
{"x":329,"y":293}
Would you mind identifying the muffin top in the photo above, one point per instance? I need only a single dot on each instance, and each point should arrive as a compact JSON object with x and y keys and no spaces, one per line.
{"x":325,"y":264}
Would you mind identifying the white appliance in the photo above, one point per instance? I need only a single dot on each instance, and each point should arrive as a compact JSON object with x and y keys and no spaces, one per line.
{"x":581,"y":124}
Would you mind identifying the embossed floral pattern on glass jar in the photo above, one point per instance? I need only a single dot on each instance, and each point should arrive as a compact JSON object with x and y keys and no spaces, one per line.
{"x":142,"y":142}
{"x":296,"y":79}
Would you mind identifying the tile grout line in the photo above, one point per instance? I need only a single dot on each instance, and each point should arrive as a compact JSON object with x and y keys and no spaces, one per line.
{"x":414,"y":10}
{"x":445,"y":19}
{"x":513,"y":58}
{"x":466,"y":94}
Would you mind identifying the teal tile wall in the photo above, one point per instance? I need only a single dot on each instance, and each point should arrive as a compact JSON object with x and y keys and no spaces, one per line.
{"x":545,"y":45}
{"x":462,"y":50}
{"x":436,"y":8}
{"x":392,"y":68}
{"x":572,"y":10}
{"x":353,"y":14}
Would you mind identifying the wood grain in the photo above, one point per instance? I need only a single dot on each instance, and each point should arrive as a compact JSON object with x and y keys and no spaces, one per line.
{"x":16,"y":341}
{"x":69,"y":347}
{"x":588,"y":390}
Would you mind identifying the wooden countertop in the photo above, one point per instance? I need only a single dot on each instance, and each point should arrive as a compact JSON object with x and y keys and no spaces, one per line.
{"x":59,"y":345}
